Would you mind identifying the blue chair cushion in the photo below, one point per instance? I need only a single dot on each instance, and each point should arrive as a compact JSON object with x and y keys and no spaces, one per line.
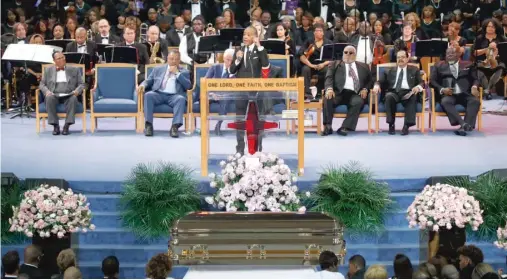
{"x":115,"y":105}
{"x":399,"y":108}
{"x":278,"y":108}
{"x":282,"y":63}
{"x":60,"y":108}
{"x":342,"y":109}
{"x":459,"y":108}
{"x":165,"y":109}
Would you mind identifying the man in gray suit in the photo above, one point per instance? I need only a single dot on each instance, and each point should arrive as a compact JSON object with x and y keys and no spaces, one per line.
{"x":61,"y":84}
{"x":167,"y":84}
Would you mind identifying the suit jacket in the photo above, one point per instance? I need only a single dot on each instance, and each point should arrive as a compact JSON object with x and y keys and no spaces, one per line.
{"x":162,"y":51}
{"x":91,"y":48}
{"x":156,"y":78}
{"x":215,"y":71}
{"x":441,"y":77}
{"x":173,"y":40}
{"x":388,"y":80}
{"x":113,"y":39}
{"x":275,"y":72}
{"x":32,"y":272}
{"x":258,"y":60}
{"x":336,"y":76}
{"x":74,"y":80}
{"x":354,"y":40}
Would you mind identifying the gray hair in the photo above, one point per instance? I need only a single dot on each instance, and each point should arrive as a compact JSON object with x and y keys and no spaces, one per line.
{"x":229,"y":52}
{"x":80,"y":29}
{"x":481,"y":269}
{"x":154,"y":27}
{"x":449,"y":271}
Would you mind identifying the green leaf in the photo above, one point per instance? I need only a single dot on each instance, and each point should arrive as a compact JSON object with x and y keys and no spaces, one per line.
{"x":157,"y":195}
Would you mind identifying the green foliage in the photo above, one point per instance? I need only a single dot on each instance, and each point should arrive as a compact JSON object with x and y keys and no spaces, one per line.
{"x":155,"y":196}
{"x":11,"y":196}
{"x":491,"y":192}
{"x":349,"y":194}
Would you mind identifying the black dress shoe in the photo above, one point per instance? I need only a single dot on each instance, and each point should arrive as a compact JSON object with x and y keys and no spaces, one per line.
{"x":327,"y":131}
{"x":392,"y":130}
{"x":404,"y":130}
{"x":467,"y":127}
{"x":460,"y":132}
{"x":174,"y":132}
{"x":342,"y":131}
{"x":218,"y":132}
{"x":489,"y":96}
{"x":148,"y":130}
{"x":65,"y":130}
{"x":56,"y":130}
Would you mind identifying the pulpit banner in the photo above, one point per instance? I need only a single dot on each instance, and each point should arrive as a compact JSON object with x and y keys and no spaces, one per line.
{"x":249,"y":84}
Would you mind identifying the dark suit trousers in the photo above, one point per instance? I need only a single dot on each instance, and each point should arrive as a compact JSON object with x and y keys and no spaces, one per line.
{"x":470,"y":102}
{"x":241,"y":110}
{"x":307,"y":73}
{"x":410,"y":105}
{"x":354,"y":104}
{"x":52,"y":102}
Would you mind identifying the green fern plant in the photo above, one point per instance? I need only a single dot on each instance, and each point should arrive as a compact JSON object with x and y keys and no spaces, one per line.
{"x":491,"y":192}
{"x":11,"y":196}
{"x":155,"y":196}
{"x":351,"y":195}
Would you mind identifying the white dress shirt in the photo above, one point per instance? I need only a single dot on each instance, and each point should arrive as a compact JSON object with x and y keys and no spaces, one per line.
{"x":169,"y":81}
{"x":364,"y":50}
{"x":81,"y":48}
{"x":105,"y":41}
{"x":404,"y":82}
{"x":22,"y":42}
{"x":249,"y":49}
{"x":185,"y":58}
{"x":61,"y":77}
{"x":196,"y":9}
{"x":349,"y":82}
{"x":455,"y":72}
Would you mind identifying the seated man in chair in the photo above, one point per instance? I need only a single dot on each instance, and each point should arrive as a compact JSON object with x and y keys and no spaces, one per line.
{"x":61,"y":84}
{"x":456,"y":82}
{"x":347,"y":82}
{"x":167,"y":84}
{"x":400,"y":85}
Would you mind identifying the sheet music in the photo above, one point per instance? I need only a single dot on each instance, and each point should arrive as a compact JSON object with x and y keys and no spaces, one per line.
{"x":323,"y":12}
{"x":44,"y":53}
{"x":18,"y":52}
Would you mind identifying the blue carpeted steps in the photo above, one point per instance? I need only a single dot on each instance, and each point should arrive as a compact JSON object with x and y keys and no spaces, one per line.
{"x":110,"y":238}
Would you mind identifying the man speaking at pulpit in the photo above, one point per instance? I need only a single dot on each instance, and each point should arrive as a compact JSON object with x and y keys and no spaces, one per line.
{"x":251,"y":61}
{"x":61,"y":84}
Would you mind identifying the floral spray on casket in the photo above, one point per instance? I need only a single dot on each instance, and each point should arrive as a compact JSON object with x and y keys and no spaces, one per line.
{"x":258,"y":182}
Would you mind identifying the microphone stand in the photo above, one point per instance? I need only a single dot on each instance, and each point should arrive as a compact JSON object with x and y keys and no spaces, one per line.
{"x":23,"y":109}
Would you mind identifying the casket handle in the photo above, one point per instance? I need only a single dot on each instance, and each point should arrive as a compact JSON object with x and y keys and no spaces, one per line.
{"x":262,"y":253}
{"x":308,"y":249}
{"x":203,"y":248}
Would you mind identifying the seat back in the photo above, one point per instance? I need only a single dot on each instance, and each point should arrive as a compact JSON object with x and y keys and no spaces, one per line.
{"x":389,"y":53}
{"x":148,"y":68}
{"x":382,"y":68}
{"x":45,"y":66}
{"x":200,"y":71}
{"x":116,"y":80}
{"x":468,"y":53}
{"x":281,"y":61}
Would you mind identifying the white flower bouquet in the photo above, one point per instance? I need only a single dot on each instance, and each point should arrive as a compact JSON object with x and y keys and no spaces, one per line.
{"x":51,"y":210}
{"x":259,"y":182}
{"x":444,"y":206}
{"x":501,"y":233}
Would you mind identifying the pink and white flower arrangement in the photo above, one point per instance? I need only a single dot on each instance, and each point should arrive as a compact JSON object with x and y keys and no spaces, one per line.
{"x":501,"y":233}
{"x":51,"y":210}
{"x":259,"y":182}
{"x":444,"y":206}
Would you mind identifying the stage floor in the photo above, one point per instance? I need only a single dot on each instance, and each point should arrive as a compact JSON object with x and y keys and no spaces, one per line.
{"x":110,"y":153}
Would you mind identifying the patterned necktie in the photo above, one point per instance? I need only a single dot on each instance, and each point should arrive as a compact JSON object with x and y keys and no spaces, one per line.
{"x":166,"y":78}
{"x":226,"y":74}
{"x":353,"y":75}
{"x":247,"y":58}
{"x":399,"y":81}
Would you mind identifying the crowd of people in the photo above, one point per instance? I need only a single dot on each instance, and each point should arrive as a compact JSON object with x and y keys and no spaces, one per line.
{"x":469,"y":264}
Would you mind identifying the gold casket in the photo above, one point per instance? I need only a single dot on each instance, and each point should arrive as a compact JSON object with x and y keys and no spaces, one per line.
{"x":259,"y":238}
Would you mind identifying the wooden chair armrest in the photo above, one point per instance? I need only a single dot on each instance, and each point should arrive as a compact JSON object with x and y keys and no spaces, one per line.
{"x":37,"y":92}
{"x":433,"y":100}
{"x":190,"y":100}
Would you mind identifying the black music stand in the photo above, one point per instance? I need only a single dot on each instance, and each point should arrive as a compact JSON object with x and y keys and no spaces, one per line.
{"x":232,"y":36}
{"x":274,"y":46}
{"x":79,"y":58}
{"x":331,"y":52}
{"x":502,"y":51}
{"x":101,"y":49}
{"x":431,"y":48}
{"x":59,"y":43}
{"x":123,"y":54}
{"x":210,"y":45}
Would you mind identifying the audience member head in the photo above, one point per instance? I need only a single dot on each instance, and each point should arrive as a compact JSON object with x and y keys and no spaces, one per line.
{"x":256,"y":14}
{"x":318,"y":20}
{"x":452,"y":55}
{"x":260,"y":29}
{"x":429,"y":269}
{"x":408,"y":30}
{"x":19,"y":30}
{"x":159,"y":267}
{"x":372,"y":18}
{"x":249,"y":35}
{"x":328,"y":261}
{"x":153,"y":33}
{"x":402,"y":267}
{"x":71,"y":24}
{"x":386,"y":19}
{"x":59,"y":59}
{"x":504,"y":19}
{"x":439,"y":262}
{"x":10,"y":263}
{"x":179,"y":23}
{"x":187,"y":15}
{"x":80,"y":36}
{"x":449,"y":271}
{"x":152,"y":15}
{"x":429,"y":12}
{"x":481,"y":269}
{"x":104,"y":27}
{"x":469,"y":255}
{"x":37,"y":39}
{"x":111,"y":267}
{"x":129,"y":34}
{"x":378,"y":27}
{"x":364,"y":28}
{"x":228,"y":15}
{"x":33,"y":253}
{"x":12,"y":16}
{"x":454,"y":29}
{"x":349,"y":54}
{"x":318,"y":31}
{"x":420,"y":274}
{"x":356,"y":262}
{"x":349,"y":25}
{"x":266,"y":18}
{"x":280,"y":31}
{"x":72,"y":273}
{"x":491,"y":26}
{"x":414,"y":20}
{"x":376,"y":272}
{"x":307,"y":19}
{"x":287,"y":22}
{"x":66,"y":258}
{"x":198,"y":24}
{"x":220,"y":23}
{"x":338,"y":23}
{"x":58,"y":32}
{"x":228,"y":55}
{"x":173,"y":58}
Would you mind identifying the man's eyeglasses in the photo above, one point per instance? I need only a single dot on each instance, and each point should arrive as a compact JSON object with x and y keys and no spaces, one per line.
{"x":347,"y":52}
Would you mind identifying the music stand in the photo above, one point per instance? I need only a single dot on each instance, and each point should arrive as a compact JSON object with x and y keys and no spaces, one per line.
{"x":274,"y":46}
{"x":101,"y":49}
{"x":123,"y":54}
{"x":233,"y":36}
{"x":22,"y":54}
{"x":58,"y":43}
{"x":431,"y":48}
{"x":502,"y":51}
{"x":331,"y":52}
{"x":79,"y":58}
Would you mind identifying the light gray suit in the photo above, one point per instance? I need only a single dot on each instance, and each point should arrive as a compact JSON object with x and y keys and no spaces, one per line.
{"x":74,"y":84}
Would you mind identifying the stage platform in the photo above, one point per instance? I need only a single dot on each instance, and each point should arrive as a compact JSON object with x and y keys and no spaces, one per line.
{"x":96,"y":164}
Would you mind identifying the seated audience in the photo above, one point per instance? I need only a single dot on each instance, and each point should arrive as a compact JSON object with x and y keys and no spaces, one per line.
{"x":357,"y":267}
{"x":439,"y":262}
{"x":376,"y":272}
{"x":10,"y":265}
{"x":111,"y":267}
{"x":469,"y":257}
{"x":66,"y":258}
{"x":429,"y":269}
{"x":159,"y":267}
{"x":481,"y":270}
{"x":449,"y":271}
{"x":32,"y":257}
{"x":72,"y":273}
{"x":328,"y":262}
{"x":402,"y":267}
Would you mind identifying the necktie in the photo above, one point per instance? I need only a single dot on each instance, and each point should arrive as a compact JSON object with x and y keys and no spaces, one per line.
{"x":164,"y":84}
{"x":399,"y":81}
{"x":247,"y":58}
{"x":60,"y":69}
{"x":105,"y":38}
{"x":353,"y":75}
{"x":226,"y":74}
{"x":179,"y":31}
{"x":454,"y":71}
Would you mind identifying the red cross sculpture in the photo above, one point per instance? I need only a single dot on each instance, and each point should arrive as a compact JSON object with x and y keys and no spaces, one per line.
{"x":252,"y":125}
